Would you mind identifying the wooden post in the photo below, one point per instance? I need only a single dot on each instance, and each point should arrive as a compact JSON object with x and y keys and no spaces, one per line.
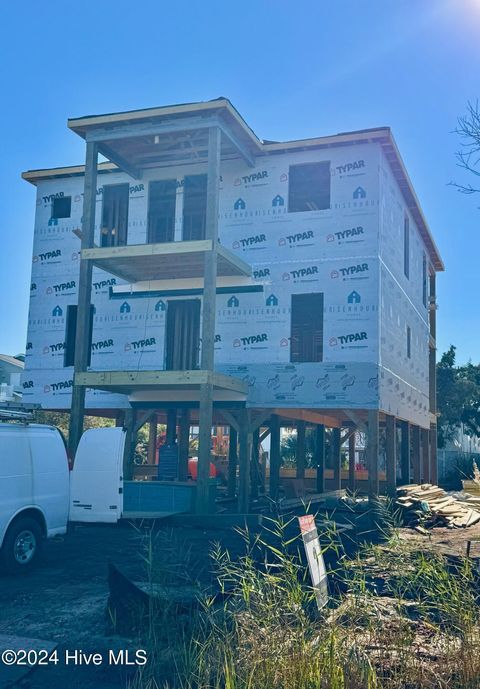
{"x":433,"y":455}
{"x":171,"y":434}
{"x":232,"y":462}
{"x":274,"y":456}
{"x":129,"y":425}
{"x":208,"y":319}
{"x":152,"y":441}
{"x":372,"y":453}
{"x":183,"y":444}
{"x":337,"y":459}
{"x":391,"y":452}
{"x":300,"y":454}
{"x":82,"y":338}
{"x":120,"y":418}
{"x":255,"y":464}
{"x":351,"y":461}
{"x":405,"y":452}
{"x":320,"y":458}
{"x":245,"y":438}
{"x":425,"y":470}
{"x":416,"y":452}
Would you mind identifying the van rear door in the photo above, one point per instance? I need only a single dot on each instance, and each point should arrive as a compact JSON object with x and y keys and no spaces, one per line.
{"x":96,"y":482}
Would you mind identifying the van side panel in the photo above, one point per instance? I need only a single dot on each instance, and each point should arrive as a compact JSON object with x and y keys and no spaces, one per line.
{"x":16,"y":479}
{"x":50,"y":477}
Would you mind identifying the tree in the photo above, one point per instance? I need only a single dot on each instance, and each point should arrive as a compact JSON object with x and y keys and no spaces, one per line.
{"x":458,"y":397}
{"x":468,"y":157}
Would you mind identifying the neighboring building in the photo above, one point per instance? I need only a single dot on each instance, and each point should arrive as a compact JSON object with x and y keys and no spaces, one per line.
{"x":11,"y":369}
{"x":324,"y":273}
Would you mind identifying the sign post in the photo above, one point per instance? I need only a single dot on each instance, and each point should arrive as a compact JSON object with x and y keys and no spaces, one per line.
{"x":316,"y":565}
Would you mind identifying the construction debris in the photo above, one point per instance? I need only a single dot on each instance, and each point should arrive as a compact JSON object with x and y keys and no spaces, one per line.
{"x":426,"y":506}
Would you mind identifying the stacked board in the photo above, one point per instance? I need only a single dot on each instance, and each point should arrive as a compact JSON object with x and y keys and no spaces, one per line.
{"x":430,"y":505}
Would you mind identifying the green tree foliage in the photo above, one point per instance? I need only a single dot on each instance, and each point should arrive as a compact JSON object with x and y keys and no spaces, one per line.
{"x":458,"y":397}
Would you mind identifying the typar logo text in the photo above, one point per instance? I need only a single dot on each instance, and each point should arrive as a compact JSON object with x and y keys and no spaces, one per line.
{"x":255,"y":179}
{"x":258,"y":341}
{"x":298,"y":239}
{"x":307,"y":274}
{"x":350,"y":341}
{"x":148,"y":344}
{"x":352,"y":169}
{"x":359,"y":271}
{"x":349,"y":236}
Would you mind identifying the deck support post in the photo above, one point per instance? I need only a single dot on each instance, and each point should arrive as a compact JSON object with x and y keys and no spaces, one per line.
{"x":183,"y":444}
{"x":425,"y":466}
{"x":152,"y":441}
{"x":255,"y":464}
{"x":171,"y":434}
{"x":405,"y":452}
{"x":373,"y":452}
{"x":391,"y":455}
{"x":208,"y":320}
{"x":351,"y":461}
{"x":232,"y":462}
{"x":320,"y":458}
{"x":433,"y":455}
{"x":274,"y":456}
{"x":337,"y":459}
{"x":83,"y":334}
{"x":300,"y":454}
{"x":416,"y":453}
{"x":245,"y":437}
{"x":130,"y":437}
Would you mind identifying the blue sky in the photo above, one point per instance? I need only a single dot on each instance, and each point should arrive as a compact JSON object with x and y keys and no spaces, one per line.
{"x":293,"y":69}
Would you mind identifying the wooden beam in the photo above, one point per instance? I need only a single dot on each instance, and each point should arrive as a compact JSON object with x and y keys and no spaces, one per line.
{"x":255,"y":478}
{"x":416,"y":453}
{"x":337,"y":459}
{"x":130,"y":442}
{"x":405,"y":452}
{"x":208,"y":320}
{"x":235,"y":141}
{"x":373,"y":452}
{"x":244,"y":454}
{"x":141,"y":129}
{"x":152,"y":442}
{"x":300,"y":454}
{"x":141,"y":419}
{"x":425,"y":466}
{"x":171,"y":434}
{"x":433,"y":454}
{"x":391,"y":454}
{"x":308,"y":416}
{"x":232,"y":462}
{"x":183,"y":444}
{"x":109,"y":153}
{"x":351,"y":461}
{"x":82,"y":339}
{"x":274,"y":456}
{"x":320,"y":458}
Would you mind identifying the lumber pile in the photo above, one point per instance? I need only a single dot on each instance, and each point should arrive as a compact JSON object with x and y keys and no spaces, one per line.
{"x":425,"y":506}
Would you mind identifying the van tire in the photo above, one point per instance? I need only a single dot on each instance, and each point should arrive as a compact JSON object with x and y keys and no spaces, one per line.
{"x":21,"y":546}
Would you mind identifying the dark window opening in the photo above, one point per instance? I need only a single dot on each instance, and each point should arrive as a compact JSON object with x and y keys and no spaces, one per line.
{"x":161,"y":211}
{"x":309,"y":187}
{"x":71,"y":334}
{"x":194,"y":207}
{"x":406,"y":247}
{"x":61,"y":207}
{"x":306,"y":330}
{"x":113,"y":231}
{"x":182,"y":335}
{"x":409,"y":342}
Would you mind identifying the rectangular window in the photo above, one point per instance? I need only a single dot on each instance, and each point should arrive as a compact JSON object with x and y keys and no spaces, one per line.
{"x":306,"y":328}
{"x":71,"y":334}
{"x":309,"y":187}
{"x":409,"y":342}
{"x":161,"y":211}
{"x":424,"y":279}
{"x":114,"y":227}
{"x":406,"y":247}
{"x":194,"y":207}
{"x":61,"y":207}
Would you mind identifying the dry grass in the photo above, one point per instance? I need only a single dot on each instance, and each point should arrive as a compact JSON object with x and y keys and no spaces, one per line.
{"x":401,"y":619}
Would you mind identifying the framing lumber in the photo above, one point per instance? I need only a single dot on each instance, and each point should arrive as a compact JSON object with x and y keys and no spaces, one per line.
{"x":300,"y":454}
{"x":416,"y":453}
{"x":274,"y":456}
{"x":320,"y":458}
{"x":232,"y":462}
{"x":309,"y":416}
{"x":372,"y":453}
{"x":425,"y":464}
{"x":351,"y":461}
{"x":130,"y":381}
{"x":183,"y":444}
{"x":337,"y":459}
{"x":82,"y":340}
{"x":405,"y":452}
{"x":391,"y":454}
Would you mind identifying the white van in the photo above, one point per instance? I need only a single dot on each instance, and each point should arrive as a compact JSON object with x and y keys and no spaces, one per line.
{"x":34,"y":491}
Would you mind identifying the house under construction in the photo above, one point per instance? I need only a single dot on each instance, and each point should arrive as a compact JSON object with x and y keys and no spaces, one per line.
{"x":203,"y":276}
